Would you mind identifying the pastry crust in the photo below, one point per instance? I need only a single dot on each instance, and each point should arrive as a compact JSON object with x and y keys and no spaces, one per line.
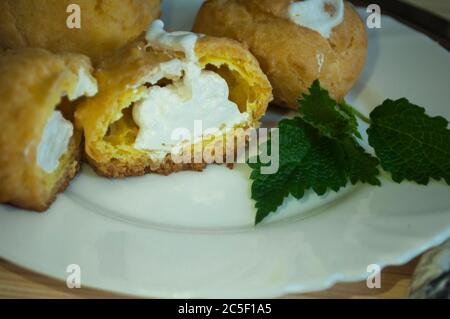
{"x":32,"y":84}
{"x":121,"y":79}
{"x":105,"y":25}
{"x":292,"y":56}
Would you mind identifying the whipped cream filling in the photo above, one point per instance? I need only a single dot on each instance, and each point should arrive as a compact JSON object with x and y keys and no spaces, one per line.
{"x":319,"y":15}
{"x":86,"y":85}
{"x":192,"y":96}
{"x":199,"y":96}
{"x":179,"y":41}
{"x":54,"y":142}
{"x":58,"y":131}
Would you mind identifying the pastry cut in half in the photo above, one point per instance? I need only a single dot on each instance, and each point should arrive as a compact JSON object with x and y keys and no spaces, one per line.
{"x":296,"y":42}
{"x":39,"y":147}
{"x":172,"y":94}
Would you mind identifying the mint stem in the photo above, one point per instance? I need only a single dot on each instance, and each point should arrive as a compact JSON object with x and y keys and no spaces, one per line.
{"x":361,"y":116}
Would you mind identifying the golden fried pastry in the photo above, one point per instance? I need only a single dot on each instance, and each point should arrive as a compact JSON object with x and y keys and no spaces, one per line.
{"x":105,"y":25}
{"x":39,"y":148}
{"x":296,"y":42}
{"x":152,"y":91}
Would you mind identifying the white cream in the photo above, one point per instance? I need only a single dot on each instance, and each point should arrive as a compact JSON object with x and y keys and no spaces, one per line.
{"x":193,"y":95}
{"x":179,"y":41}
{"x":54,"y":142}
{"x":86,"y":85}
{"x":199,"y":96}
{"x":171,"y":70}
{"x":312,"y":14}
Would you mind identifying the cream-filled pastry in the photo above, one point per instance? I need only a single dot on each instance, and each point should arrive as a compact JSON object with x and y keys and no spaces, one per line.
{"x":152,"y":89}
{"x":296,"y":42}
{"x":39,"y":146}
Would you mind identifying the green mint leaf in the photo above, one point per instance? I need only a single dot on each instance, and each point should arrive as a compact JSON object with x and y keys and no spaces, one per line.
{"x":332,"y":119}
{"x":323,"y":166}
{"x":361,"y":166}
{"x":308,"y":160}
{"x":269,"y":191}
{"x":410,"y":144}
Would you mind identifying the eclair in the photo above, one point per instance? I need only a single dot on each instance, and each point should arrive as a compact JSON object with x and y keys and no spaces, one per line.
{"x":296,"y":42}
{"x":39,"y":146}
{"x":152,"y":91}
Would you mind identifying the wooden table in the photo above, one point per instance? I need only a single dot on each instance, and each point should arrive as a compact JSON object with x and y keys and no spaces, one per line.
{"x":16,"y":282}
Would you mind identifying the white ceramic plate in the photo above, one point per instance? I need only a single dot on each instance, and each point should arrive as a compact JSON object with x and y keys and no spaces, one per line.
{"x":192,"y":234}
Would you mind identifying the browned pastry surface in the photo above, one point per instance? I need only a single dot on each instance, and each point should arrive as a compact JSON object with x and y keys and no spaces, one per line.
{"x":105,"y":24}
{"x":288,"y":53}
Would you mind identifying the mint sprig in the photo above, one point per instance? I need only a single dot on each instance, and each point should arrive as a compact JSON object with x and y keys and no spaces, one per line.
{"x":320,"y":149}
